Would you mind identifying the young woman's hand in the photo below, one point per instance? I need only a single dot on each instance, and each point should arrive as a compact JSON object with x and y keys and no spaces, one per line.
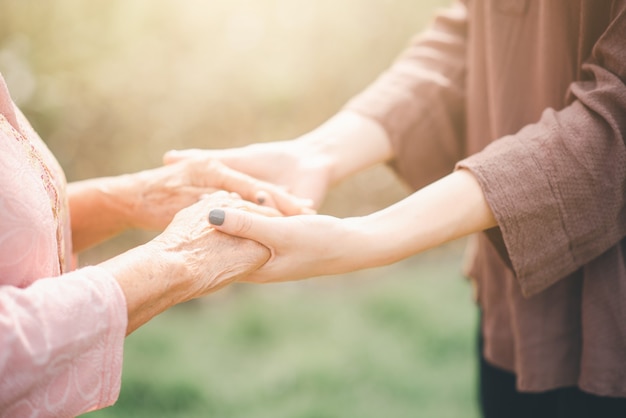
{"x":308,"y":165}
{"x":301,"y":246}
{"x":312,"y":245}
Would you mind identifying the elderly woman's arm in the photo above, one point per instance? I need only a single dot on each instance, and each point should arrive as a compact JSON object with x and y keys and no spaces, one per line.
{"x":62,"y":338}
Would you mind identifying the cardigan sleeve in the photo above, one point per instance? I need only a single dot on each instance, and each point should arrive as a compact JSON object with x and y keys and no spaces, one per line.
{"x":558,"y":187}
{"x":61,"y":342}
{"x":419,"y":100}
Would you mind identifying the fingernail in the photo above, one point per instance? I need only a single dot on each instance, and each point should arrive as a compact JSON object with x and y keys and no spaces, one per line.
{"x":261,"y":197}
{"x":216,"y":217}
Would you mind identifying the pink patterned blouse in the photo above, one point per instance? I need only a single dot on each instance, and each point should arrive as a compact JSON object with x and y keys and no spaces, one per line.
{"x":61,"y":332}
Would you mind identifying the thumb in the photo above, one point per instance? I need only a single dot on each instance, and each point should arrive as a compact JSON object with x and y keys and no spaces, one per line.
{"x":242,"y":224}
{"x":174,"y":156}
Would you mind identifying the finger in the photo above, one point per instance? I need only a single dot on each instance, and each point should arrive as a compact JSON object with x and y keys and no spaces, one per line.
{"x":220,"y":194}
{"x":236,"y":181}
{"x":263,"y":210}
{"x":244,"y":224}
{"x":313,"y":186}
{"x":216,"y":174}
{"x":301,"y":207}
{"x":264,"y":198}
{"x":283,"y":201}
{"x":224,"y":199}
{"x":174,"y":156}
{"x":261,"y":192}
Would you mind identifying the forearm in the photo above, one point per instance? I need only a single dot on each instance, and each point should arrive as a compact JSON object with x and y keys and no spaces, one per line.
{"x":149,"y":280}
{"x":349,"y":142}
{"x":98,"y":210}
{"x":314,"y":245}
{"x":447,"y":209}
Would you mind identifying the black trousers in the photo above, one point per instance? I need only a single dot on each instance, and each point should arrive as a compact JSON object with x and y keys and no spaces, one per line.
{"x":499,"y":399}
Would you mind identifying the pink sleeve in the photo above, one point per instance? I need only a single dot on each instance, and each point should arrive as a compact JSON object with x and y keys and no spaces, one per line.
{"x":62,"y":341}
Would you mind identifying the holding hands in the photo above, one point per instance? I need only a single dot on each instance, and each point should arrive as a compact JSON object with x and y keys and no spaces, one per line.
{"x":189,"y":259}
{"x":304,"y":245}
{"x":149,"y":199}
{"x":312,"y":245}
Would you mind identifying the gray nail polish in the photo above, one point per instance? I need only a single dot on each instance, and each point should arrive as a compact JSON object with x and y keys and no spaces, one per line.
{"x":260,"y":199}
{"x":216,"y":217}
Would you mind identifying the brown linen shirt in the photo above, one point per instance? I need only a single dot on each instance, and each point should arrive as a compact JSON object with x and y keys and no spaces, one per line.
{"x":533,"y":91}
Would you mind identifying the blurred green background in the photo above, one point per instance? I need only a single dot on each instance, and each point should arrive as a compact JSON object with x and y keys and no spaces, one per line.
{"x":111,"y":85}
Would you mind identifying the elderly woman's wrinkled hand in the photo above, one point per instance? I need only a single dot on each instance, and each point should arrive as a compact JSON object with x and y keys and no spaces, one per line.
{"x":208,"y":259}
{"x":156,"y":195}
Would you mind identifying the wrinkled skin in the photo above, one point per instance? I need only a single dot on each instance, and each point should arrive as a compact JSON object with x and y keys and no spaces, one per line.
{"x":209,"y":259}
{"x":162,"y":192}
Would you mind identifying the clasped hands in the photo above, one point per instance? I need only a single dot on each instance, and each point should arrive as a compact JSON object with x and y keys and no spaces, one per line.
{"x":179,"y":196}
{"x":240,"y":233}
{"x":190,"y":258}
{"x":306,"y":245}
{"x":298,"y":244}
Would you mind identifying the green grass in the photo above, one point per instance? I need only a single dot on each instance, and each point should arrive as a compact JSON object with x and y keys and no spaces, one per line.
{"x":390,"y":342}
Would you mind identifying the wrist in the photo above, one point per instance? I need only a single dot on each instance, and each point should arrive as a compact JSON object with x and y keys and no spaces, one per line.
{"x":335,"y":141}
{"x":357,"y":233}
{"x":384,"y":238}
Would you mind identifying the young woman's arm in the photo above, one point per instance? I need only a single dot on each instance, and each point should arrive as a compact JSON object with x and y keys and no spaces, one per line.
{"x":307,"y":166}
{"x":313,"y":245}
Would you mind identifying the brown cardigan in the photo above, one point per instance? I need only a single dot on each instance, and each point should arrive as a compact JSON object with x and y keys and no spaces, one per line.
{"x":533,"y":91}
